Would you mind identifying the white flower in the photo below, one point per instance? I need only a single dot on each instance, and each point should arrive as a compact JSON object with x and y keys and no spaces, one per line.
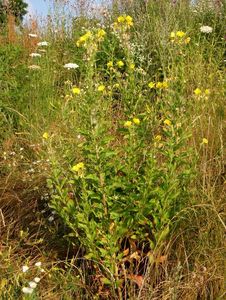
{"x":34,"y":67}
{"x":70,"y":66}
{"x":42,"y":270}
{"x":32,"y":35}
{"x":44,"y":43}
{"x":32,"y":284}
{"x":25,"y":268}
{"x":206,"y":29}
{"x":38,"y":264}
{"x":37,"y":279}
{"x":51,"y":219}
{"x":35,"y":55}
{"x":27,"y":290}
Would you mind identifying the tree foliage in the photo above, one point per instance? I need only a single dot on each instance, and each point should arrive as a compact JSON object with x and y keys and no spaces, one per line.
{"x":18,"y":8}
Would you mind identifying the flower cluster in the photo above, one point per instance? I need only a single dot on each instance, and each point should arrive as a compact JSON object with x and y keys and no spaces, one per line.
{"x":123,"y":22}
{"x":179,"y":37}
{"x":158,"y":85}
{"x":206,"y":29}
{"x":199,"y":92}
{"x":89,"y":36}
{"x":135,"y":121}
{"x":78,"y":167}
{"x":32,"y":284}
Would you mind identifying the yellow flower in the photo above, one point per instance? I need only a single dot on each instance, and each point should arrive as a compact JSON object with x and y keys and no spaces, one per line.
{"x":110,"y":64}
{"x":84,"y":38}
{"x":101,"y":88}
{"x":76,"y":90}
{"x":151,"y":85}
{"x":207,"y":91}
{"x":172,"y":35}
{"x":128,"y":124}
{"x":129,"y":20}
{"x":136,"y":121}
{"x":132,"y":66}
{"x":101,"y":33}
{"x":167,"y":122}
{"x":197,"y":91}
{"x":45,"y":135}
{"x":204,"y":141}
{"x":78,"y":167}
{"x":164,"y":85}
{"x":116,"y":85}
{"x":187,"y":40}
{"x":121,"y":19}
{"x":120,"y":63}
{"x":180,"y":34}
{"x":159,"y":85}
{"x":158,"y":138}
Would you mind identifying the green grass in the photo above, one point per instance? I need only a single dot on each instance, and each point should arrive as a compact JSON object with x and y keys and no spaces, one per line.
{"x":112,"y":174}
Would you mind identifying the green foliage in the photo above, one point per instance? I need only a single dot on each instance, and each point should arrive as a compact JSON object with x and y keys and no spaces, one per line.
{"x":17,"y":8}
{"x":130,"y":145}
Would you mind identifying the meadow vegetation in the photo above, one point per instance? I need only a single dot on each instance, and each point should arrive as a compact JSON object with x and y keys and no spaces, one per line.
{"x":112,"y":160}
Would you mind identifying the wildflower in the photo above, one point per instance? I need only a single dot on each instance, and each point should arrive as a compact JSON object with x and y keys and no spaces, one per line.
{"x":44,"y":43}
{"x":101,"y":88}
{"x":187,"y":40}
{"x":167,"y":122}
{"x":132,"y":66}
{"x":34,"y":67}
{"x":129,"y":20}
{"x":76,"y":91}
{"x":207,"y":92}
{"x":110,"y":64}
{"x":25,"y":269}
{"x":37,"y":279}
{"x":45,"y":135}
{"x":164,"y":85}
{"x":158,"y":138}
{"x":180,"y":34}
{"x":71,"y":66}
{"x":204,"y":141}
{"x":27,"y":290}
{"x":159,"y":85}
{"x":38,"y":264}
{"x":136,"y":121}
{"x":101,"y":34}
{"x":151,"y":85}
{"x":120,"y":63}
{"x":206,"y":29}
{"x":32,"y":35}
{"x":121,"y":19}
{"x":83,"y":39}
{"x":172,"y":35}
{"x":78,"y":167}
{"x":51,"y":219}
{"x":128,"y":124}
{"x":35,"y":55}
{"x":32,"y":284}
{"x":197,"y":91}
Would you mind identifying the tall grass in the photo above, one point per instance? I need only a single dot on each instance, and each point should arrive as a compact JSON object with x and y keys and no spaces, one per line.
{"x":112,"y":173}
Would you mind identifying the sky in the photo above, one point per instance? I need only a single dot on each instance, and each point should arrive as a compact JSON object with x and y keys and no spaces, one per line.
{"x":39,"y":7}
